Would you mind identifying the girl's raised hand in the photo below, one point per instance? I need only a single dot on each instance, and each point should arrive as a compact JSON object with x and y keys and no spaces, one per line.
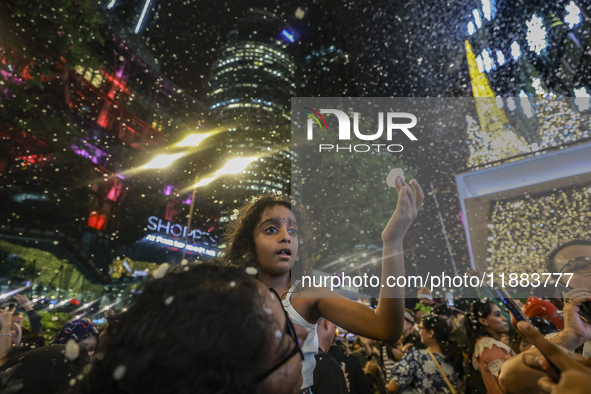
{"x":409,"y":202}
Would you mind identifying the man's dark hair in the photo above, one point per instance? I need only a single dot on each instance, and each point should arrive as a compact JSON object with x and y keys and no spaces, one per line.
{"x":442,"y":332}
{"x":200,"y":328}
{"x":550,"y":257}
{"x":28,"y":370}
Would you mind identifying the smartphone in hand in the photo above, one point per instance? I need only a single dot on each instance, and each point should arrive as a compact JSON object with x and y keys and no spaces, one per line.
{"x":584,"y":309}
{"x":510,"y":303}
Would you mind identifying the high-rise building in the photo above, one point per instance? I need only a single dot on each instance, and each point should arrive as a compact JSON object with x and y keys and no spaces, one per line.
{"x":249,"y":91}
{"x":70,"y":195}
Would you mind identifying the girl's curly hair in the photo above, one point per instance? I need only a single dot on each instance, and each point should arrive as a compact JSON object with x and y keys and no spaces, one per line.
{"x":239,"y":235}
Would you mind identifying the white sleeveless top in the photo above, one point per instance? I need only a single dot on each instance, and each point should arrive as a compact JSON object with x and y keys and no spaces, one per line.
{"x":310,"y":346}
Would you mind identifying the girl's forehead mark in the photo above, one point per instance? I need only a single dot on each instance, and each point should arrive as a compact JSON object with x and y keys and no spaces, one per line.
{"x":269,"y":219}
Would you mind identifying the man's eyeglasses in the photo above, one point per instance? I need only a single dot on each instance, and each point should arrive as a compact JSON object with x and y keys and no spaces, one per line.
{"x":578,"y":265}
{"x":290,"y":331}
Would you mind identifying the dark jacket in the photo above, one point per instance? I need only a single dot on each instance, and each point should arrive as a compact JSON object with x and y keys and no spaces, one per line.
{"x":357,"y":380}
{"x":329,"y":378}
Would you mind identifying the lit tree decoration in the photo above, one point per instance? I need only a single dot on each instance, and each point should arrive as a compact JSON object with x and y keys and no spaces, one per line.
{"x":495,"y":138}
{"x":479,"y":143}
{"x":524,"y":230}
{"x":536,"y":34}
{"x":539,"y":123}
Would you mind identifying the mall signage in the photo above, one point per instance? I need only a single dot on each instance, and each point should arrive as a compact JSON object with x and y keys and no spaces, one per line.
{"x":176,"y":230}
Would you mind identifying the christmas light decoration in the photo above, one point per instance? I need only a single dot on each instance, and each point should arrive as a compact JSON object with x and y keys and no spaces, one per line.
{"x":536,"y":34}
{"x":493,"y":138}
{"x":573,"y":16}
{"x":537,"y":123}
{"x":524,"y":230}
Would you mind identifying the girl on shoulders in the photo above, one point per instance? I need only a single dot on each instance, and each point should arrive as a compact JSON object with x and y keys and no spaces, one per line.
{"x":269,"y":231}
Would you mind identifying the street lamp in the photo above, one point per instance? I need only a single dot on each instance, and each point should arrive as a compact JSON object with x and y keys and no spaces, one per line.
{"x":233,"y":166}
{"x":192,"y":140}
{"x":163,"y":161}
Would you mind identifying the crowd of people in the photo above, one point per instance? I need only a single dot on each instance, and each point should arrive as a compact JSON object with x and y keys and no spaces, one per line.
{"x":240,"y":324}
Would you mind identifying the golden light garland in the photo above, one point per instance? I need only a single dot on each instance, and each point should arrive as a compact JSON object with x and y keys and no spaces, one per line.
{"x":523,"y":231}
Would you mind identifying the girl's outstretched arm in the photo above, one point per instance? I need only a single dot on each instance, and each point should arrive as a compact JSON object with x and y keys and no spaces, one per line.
{"x":386,"y":321}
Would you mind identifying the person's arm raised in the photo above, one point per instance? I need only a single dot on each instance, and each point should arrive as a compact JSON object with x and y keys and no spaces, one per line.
{"x":385,"y":323}
{"x":575,"y":370}
{"x":517,"y":377}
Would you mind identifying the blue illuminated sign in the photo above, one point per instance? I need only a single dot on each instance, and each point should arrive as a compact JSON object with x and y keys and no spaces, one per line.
{"x":288,"y":35}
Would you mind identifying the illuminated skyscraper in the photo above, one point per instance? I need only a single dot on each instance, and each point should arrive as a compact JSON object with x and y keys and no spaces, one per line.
{"x":254,"y":70}
{"x":249,"y":90}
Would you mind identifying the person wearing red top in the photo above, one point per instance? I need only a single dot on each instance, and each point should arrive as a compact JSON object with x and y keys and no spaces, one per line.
{"x":485,"y":325}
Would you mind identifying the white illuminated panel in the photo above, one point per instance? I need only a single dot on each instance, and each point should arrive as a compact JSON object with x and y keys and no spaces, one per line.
{"x":476,"y":190}
{"x":181,"y":245}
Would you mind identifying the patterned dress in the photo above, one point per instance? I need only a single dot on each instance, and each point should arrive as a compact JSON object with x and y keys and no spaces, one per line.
{"x":417,"y":370}
{"x":489,"y":356}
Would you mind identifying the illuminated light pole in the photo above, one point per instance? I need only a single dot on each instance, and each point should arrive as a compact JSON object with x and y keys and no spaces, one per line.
{"x":192,"y":140}
{"x":142,"y":16}
{"x":233,"y":166}
{"x":162,"y":161}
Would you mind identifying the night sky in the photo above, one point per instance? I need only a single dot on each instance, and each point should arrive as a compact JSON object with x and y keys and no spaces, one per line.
{"x":397,"y":48}
{"x":188,"y":34}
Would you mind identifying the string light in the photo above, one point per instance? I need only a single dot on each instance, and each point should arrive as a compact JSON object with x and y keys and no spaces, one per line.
{"x":524,"y":230}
